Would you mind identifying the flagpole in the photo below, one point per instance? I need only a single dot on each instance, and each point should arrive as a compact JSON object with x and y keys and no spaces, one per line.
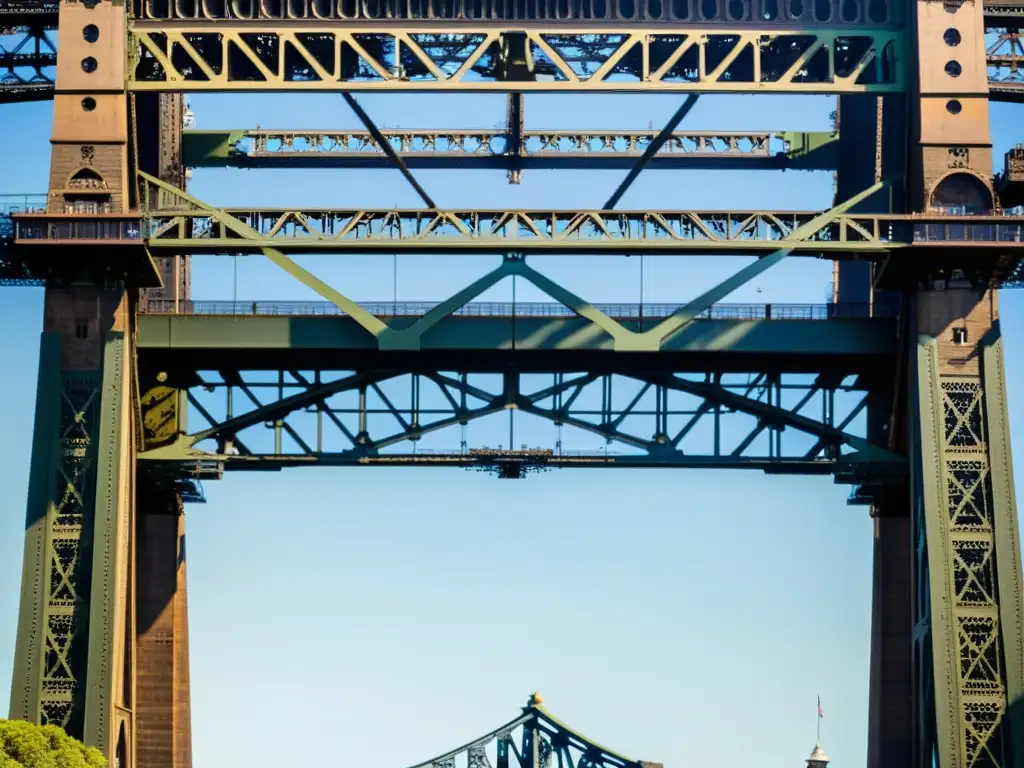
{"x":818,"y":713}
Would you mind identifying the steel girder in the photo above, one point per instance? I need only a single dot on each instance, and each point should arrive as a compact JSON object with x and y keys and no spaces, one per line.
{"x":491,"y":148}
{"x":769,"y":13}
{"x":268,"y":420}
{"x":968,"y":636}
{"x":452,"y":14}
{"x":177,"y":220}
{"x":1003,"y":14}
{"x":27,"y":66}
{"x":1006,"y":57}
{"x":291,"y":56}
{"x":534,"y":739}
{"x":514,"y":265}
{"x":500,"y":231}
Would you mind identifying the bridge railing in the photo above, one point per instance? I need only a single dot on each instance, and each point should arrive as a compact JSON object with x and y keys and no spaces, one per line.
{"x":619,"y":311}
{"x":10,"y":204}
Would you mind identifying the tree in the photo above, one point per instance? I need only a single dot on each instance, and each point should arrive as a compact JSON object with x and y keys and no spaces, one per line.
{"x":24,"y":745}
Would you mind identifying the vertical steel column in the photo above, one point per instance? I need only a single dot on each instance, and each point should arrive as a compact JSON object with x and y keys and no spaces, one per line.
{"x":73,"y":661}
{"x":960,"y":648}
{"x":968,"y":653}
{"x":110,"y":692}
{"x":49,"y":669}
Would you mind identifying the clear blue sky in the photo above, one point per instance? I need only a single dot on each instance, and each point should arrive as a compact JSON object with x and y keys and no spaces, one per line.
{"x":350,"y":616}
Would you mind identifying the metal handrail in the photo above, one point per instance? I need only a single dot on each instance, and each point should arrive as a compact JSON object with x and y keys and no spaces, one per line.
{"x":621,"y":311}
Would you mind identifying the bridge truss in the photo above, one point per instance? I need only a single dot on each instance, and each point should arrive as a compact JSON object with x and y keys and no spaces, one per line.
{"x":895,"y":388}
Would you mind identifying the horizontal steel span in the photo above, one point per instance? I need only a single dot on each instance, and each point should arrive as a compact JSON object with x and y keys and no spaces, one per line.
{"x":27,"y":64}
{"x":1005,"y":58}
{"x":618,"y":311}
{"x":191,"y":56}
{"x":493,"y":148}
{"x":767,"y":12}
{"x":16,"y":91}
{"x":373,"y":416}
{"x":231,"y":231}
{"x":568,"y":230}
{"x":596,"y":12}
{"x":851,"y":345}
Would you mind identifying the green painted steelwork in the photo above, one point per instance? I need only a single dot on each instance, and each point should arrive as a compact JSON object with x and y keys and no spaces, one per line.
{"x":179,"y":221}
{"x":965,"y":649}
{"x":334,"y":417}
{"x":32,"y":648}
{"x":110,"y":550}
{"x":1006,"y":540}
{"x":535,"y":739}
{"x":491,"y":148}
{"x":207,"y":337}
{"x":812,"y":149}
{"x":53,"y":632}
{"x":361,"y":56}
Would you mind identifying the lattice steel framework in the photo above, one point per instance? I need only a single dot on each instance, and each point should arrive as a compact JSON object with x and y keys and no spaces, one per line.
{"x":27,"y":63}
{"x":535,"y":739}
{"x":300,"y":58}
{"x":175,"y":390}
{"x":68,"y":429}
{"x":966,"y":544}
{"x":369,"y":417}
{"x":490,"y":148}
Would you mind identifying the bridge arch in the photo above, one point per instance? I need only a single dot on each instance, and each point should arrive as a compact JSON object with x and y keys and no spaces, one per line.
{"x":962,"y":188}
{"x":534,"y":739}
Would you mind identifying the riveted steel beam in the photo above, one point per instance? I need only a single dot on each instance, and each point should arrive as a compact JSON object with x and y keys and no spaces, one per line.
{"x":351,"y":420}
{"x":204,"y":228}
{"x":491,"y":148}
{"x":1005,"y":60}
{"x":276,"y":56}
{"x":27,"y":65}
{"x":652,"y":149}
{"x":563,"y":231}
{"x":719,"y":342}
{"x":388,"y":150}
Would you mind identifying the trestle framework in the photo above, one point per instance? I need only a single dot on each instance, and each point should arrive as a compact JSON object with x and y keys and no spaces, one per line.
{"x":492,"y":148}
{"x":895,"y":388}
{"x":309,"y":58}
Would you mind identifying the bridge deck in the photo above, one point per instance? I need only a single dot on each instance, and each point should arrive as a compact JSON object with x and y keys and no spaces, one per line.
{"x":852,"y":345}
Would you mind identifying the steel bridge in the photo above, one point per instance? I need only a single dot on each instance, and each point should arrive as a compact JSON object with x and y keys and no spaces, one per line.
{"x":894,"y":388}
{"x":827,"y":48}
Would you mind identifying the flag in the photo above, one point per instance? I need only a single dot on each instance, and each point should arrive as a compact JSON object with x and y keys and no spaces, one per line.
{"x":821,"y":713}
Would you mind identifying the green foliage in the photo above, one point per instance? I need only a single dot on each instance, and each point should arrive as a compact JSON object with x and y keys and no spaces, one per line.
{"x":24,"y":745}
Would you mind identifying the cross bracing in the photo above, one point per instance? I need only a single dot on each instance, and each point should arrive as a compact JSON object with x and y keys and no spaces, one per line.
{"x":28,"y":60}
{"x":298,"y":57}
{"x":1005,"y":60}
{"x":267,"y":420}
{"x":534,"y":739}
{"x":482,"y":231}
